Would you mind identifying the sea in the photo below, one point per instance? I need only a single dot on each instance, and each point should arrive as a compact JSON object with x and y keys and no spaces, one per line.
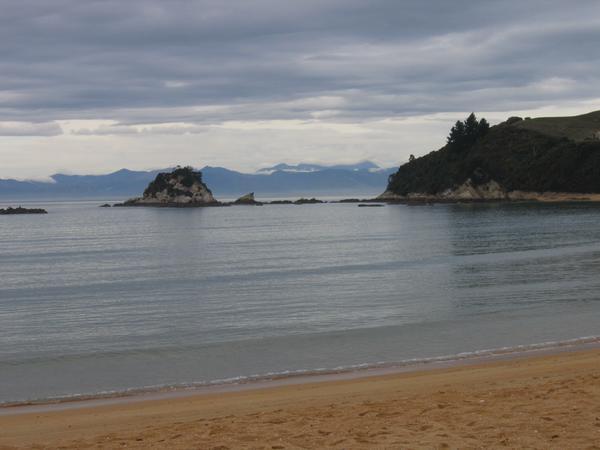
{"x":108,"y":301}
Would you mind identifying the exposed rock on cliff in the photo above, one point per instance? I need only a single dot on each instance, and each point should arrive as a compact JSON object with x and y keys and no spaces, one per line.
{"x":182,"y":187}
{"x":469,"y":190}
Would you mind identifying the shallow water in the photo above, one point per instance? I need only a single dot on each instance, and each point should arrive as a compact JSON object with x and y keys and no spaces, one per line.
{"x":99,"y":300}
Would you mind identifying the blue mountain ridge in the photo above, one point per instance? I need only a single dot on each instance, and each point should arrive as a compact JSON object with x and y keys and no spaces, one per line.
{"x":364,"y":179}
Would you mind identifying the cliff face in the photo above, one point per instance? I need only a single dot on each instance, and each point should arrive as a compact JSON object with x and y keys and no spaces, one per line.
{"x":469,"y":190}
{"x":490,"y":191}
{"x":512,"y":161}
{"x":182,"y":187}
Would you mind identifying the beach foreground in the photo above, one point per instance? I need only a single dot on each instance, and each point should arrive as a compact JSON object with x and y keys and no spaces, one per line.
{"x":537,"y":402}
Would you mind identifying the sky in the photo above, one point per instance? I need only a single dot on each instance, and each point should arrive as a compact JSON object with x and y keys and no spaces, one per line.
{"x":92,"y":86}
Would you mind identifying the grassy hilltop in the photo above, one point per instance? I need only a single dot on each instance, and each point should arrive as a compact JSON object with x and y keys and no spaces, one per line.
{"x":576,"y":128}
{"x":554,"y":154}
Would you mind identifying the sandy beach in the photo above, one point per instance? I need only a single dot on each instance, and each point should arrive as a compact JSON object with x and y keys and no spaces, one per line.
{"x":535,"y":402}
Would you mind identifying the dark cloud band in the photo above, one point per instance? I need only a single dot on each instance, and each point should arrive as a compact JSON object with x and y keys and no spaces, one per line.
{"x":148,"y":61}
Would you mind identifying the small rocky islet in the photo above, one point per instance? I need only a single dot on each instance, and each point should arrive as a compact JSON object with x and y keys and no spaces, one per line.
{"x":183,"y":187}
{"x":248,"y":199}
{"x":20,"y":210}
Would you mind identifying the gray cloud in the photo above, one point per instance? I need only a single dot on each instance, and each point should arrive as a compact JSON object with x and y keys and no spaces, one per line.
{"x":116,"y":130}
{"x":155,"y":61}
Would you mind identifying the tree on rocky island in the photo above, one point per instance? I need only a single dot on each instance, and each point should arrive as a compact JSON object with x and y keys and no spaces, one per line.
{"x":465,"y":133}
{"x":188,"y":175}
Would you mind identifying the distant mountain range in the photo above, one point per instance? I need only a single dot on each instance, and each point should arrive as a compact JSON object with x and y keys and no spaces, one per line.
{"x":362,"y":179}
{"x":303,"y":167}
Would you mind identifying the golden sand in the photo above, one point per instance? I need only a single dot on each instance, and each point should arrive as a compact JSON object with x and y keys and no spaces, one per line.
{"x":539,"y":402}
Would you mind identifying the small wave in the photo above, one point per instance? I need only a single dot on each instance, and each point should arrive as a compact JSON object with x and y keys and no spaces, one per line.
{"x":290,"y":374}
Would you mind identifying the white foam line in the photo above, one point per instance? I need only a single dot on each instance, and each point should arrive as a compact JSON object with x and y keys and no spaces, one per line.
{"x":284,"y":377}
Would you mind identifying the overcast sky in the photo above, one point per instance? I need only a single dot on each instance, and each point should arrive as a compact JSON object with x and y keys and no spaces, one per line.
{"x":93,"y":86}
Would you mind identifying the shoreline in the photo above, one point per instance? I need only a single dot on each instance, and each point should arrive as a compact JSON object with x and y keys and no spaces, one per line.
{"x":298,"y":377}
{"x":538,"y":401}
{"x":467,"y":193}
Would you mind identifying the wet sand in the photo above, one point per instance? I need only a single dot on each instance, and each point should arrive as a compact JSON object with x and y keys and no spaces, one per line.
{"x":550,"y":401}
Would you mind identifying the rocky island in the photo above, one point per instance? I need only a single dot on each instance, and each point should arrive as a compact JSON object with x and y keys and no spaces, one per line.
{"x":21,"y":210}
{"x":543,"y":159}
{"x":181,"y":188}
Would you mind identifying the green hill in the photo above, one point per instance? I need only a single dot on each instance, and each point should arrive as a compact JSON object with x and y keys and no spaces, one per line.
{"x":558,"y":154}
{"x":576,"y":128}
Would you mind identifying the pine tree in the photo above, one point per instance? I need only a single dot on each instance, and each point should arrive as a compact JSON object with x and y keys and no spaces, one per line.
{"x":457,"y":134}
{"x":484,"y":127}
{"x":471,"y":126}
{"x":464,"y":134}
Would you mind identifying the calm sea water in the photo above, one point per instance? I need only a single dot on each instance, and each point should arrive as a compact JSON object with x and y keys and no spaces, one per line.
{"x":98,"y":300}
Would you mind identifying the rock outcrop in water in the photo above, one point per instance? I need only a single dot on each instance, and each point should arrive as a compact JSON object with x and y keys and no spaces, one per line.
{"x":308,"y":201}
{"x":545,"y":159}
{"x":247,"y":199}
{"x":21,"y":210}
{"x":182,"y":187}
